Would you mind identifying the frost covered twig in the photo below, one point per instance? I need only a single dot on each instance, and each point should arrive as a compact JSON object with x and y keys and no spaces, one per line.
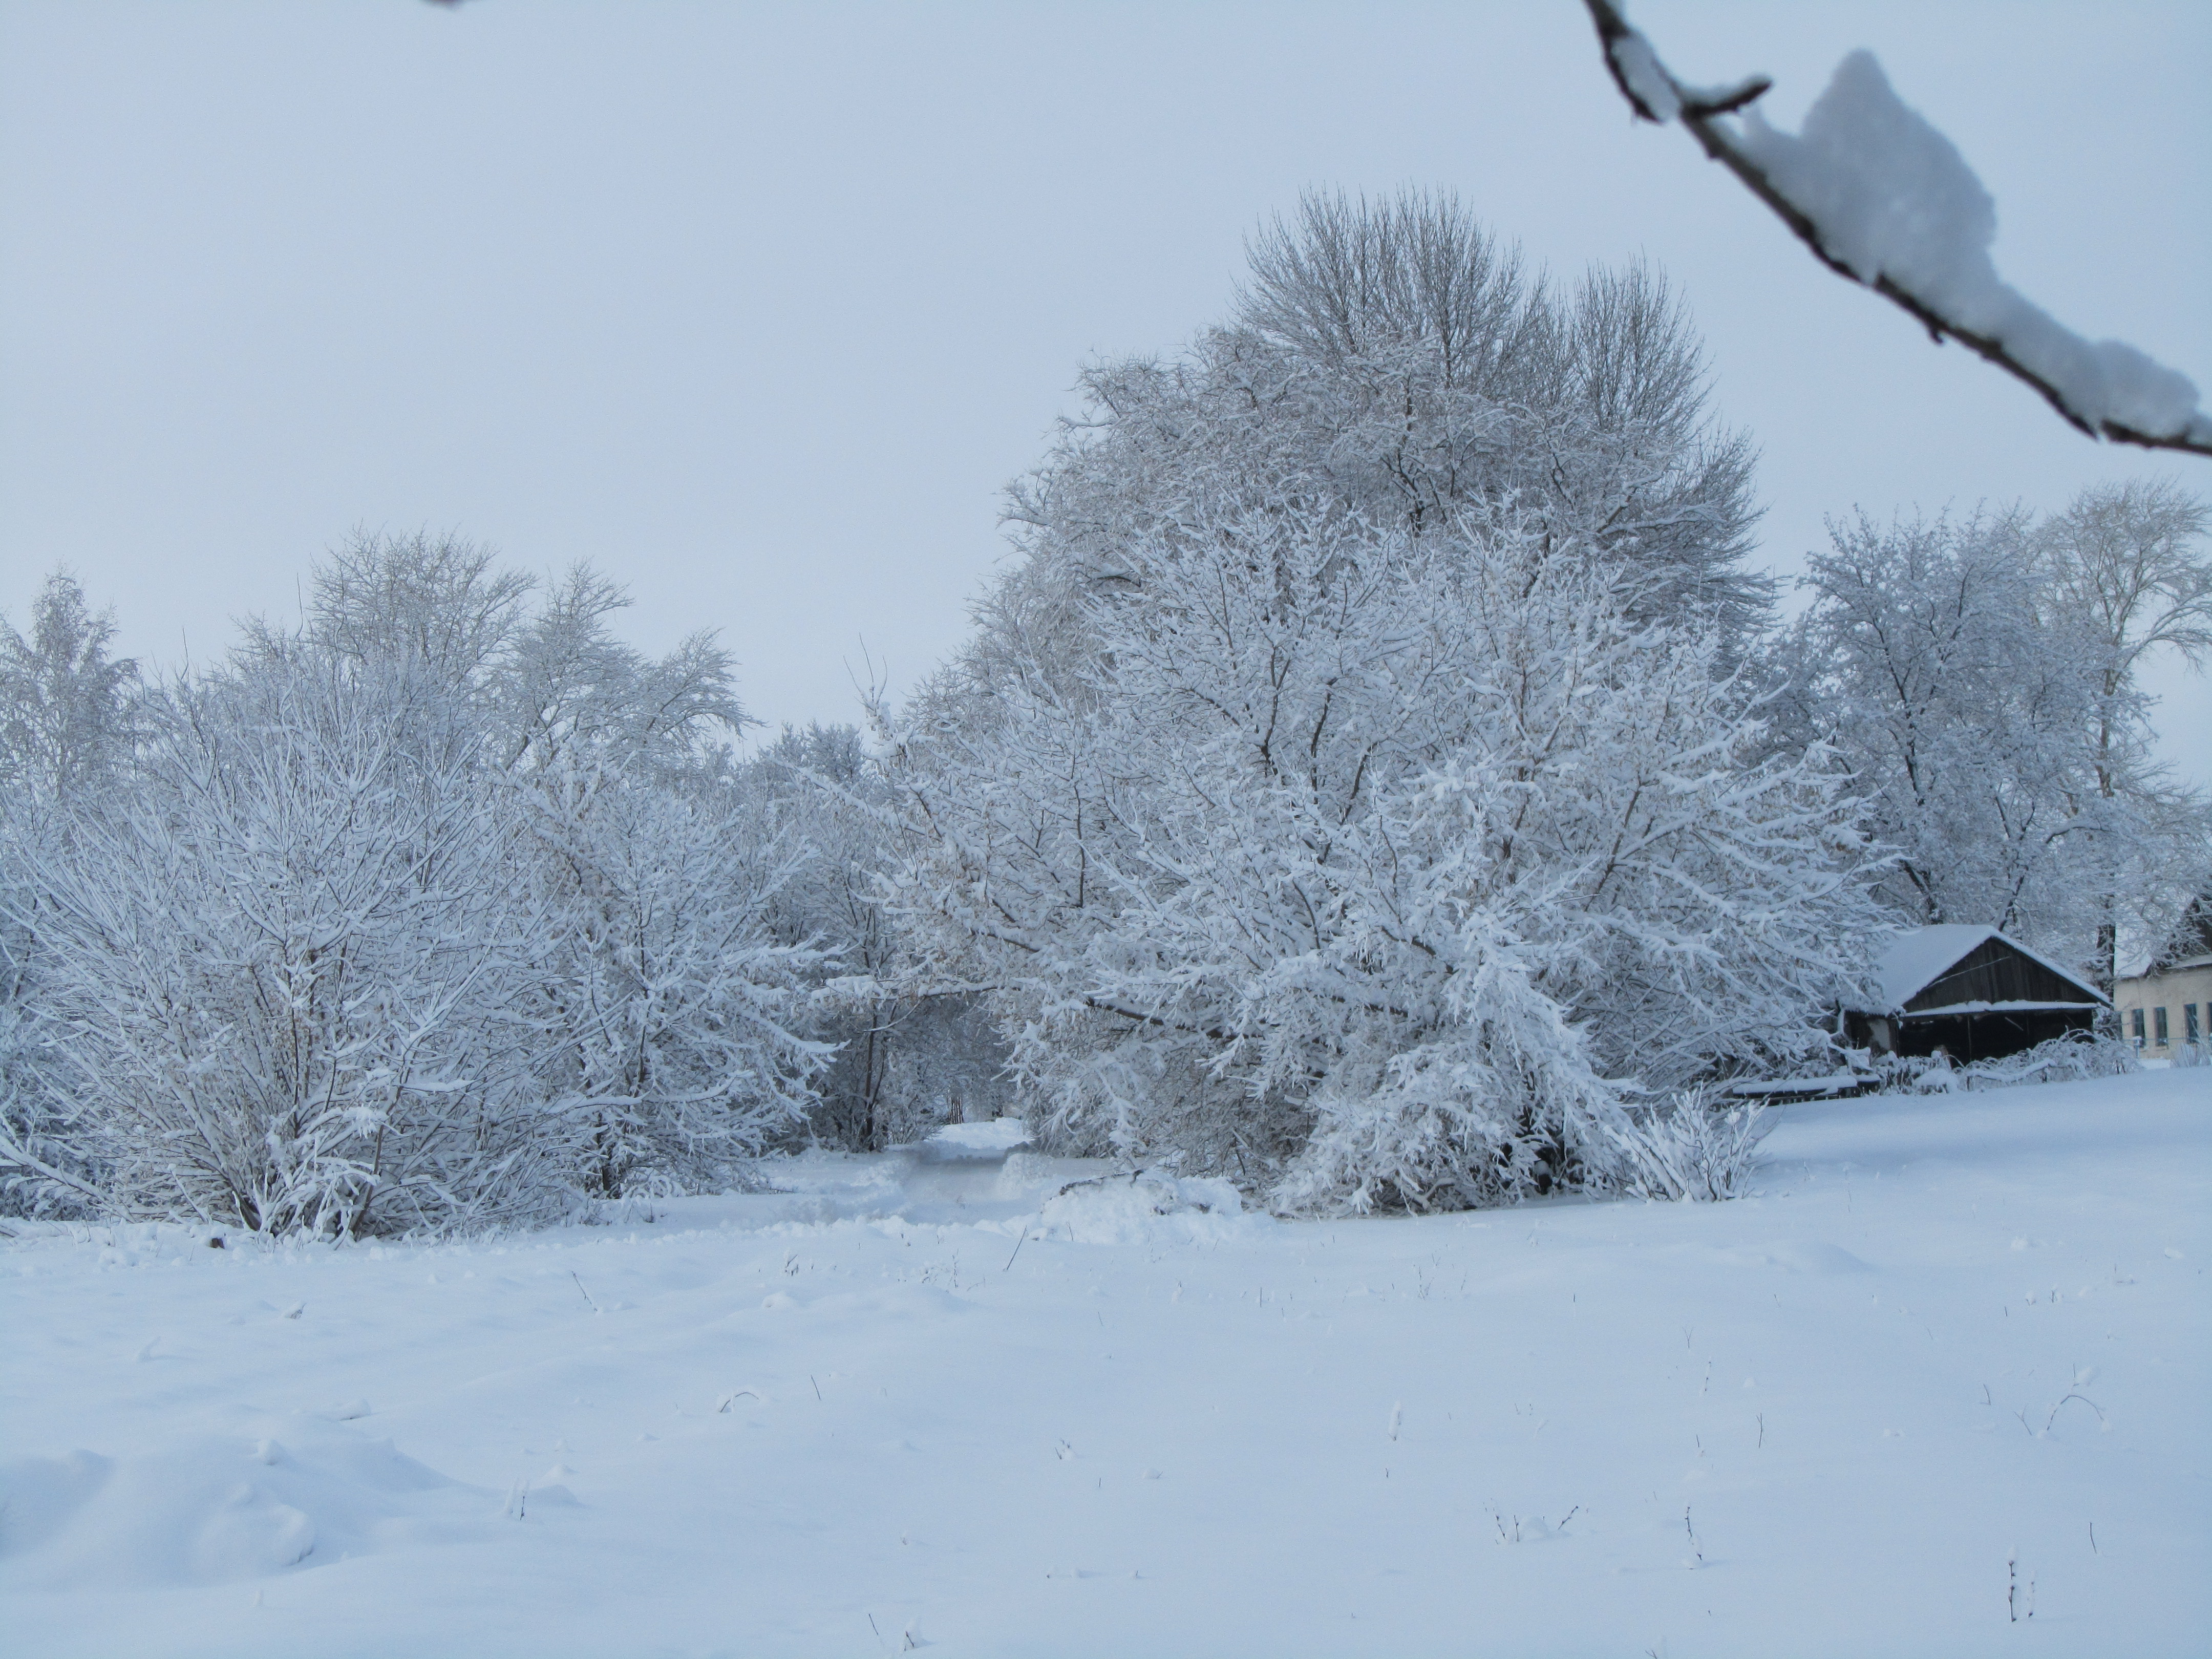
{"x":1885,"y":200}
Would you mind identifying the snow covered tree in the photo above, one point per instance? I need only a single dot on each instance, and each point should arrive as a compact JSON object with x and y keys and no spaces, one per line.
{"x":1352,"y":788}
{"x":2125,"y":566}
{"x":439,"y":604}
{"x":69,"y":720}
{"x":1981,"y":679}
{"x":68,"y":710}
{"x":1371,"y":866}
{"x":1390,"y":358}
{"x":435,"y":911}
{"x":276,"y":974}
{"x":1924,"y":659}
{"x":672,"y":1023}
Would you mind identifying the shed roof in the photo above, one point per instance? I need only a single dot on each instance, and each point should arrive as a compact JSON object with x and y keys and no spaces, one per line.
{"x":1920,"y":957}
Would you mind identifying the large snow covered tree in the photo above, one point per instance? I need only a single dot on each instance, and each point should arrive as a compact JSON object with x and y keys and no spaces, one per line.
{"x":1371,"y":866}
{"x":1352,"y":788}
{"x":1391,"y":358}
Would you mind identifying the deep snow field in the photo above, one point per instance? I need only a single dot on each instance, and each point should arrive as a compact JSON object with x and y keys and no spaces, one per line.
{"x":1947,"y":1332}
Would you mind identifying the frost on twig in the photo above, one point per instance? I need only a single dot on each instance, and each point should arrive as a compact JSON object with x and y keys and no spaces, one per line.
{"x":1883,"y":198}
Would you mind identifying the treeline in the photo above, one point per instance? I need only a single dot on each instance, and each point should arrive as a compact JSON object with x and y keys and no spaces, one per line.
{"x":1378,"y":778}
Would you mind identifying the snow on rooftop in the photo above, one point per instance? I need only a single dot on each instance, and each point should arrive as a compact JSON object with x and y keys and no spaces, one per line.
{"x":1922,"y":956}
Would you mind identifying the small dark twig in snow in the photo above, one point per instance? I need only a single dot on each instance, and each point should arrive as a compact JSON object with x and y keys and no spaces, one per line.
{"x":2061,"y":1406}
{"x":587,"y":1294}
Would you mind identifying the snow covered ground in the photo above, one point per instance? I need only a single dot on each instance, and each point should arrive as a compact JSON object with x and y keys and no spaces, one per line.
{"x":1950,"y":1333}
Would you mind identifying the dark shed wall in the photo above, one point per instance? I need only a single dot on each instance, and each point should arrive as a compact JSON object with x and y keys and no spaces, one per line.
{"x":1994,"y":972}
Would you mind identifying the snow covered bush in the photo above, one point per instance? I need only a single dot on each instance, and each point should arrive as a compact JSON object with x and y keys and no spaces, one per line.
{"x":438,"y":912}
{"x":669,"y":1024}
{"x":274,"y":972}
{"x":1693,"y":1146}
{"x":2061,"y":1060}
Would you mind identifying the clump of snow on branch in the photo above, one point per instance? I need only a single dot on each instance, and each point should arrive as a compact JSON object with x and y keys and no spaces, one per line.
{"x":1893,"y":197}
{"x":1884,"y":197}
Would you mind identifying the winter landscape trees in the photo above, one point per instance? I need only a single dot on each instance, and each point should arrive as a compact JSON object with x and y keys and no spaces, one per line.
{"x":1982,"y":677}
{"x":1380,"y":778}
{"x":424,"y":913}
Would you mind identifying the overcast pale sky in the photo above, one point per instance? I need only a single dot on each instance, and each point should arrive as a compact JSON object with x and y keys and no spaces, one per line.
{"x":757,"y":306}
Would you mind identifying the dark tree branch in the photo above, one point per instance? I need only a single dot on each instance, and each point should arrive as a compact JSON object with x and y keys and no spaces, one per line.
{"x":1649,"y":86}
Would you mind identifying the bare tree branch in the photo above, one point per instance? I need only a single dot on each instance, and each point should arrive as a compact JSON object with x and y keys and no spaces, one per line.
{"x":1656,"y":96}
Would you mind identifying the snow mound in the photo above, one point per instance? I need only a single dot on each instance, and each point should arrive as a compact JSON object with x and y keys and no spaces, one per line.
{"x":1142,"y":1206}
{"x":281,"y":1492}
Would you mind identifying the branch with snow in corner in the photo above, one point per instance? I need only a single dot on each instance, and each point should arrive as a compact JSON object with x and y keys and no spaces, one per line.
{"x":1883,"y":198}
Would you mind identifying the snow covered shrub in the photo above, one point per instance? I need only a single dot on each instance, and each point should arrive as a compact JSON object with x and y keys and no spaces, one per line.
{"x":668,"y":1022}
{"x":275,"y":973}
{"x":2061,"y":1060}
{"x":1693,"y":1146}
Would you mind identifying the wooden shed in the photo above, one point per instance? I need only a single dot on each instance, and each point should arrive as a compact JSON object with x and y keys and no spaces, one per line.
{"x":1973,"y":992}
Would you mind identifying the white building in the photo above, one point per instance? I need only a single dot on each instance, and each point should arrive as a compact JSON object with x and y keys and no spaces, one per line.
{"x":2167,"y":1010}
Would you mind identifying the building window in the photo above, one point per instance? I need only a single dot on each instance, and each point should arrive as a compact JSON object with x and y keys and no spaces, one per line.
{"x":2157,"y":1026}
{"x":2188,"y":1022}
{"x":2136,"y":1015}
